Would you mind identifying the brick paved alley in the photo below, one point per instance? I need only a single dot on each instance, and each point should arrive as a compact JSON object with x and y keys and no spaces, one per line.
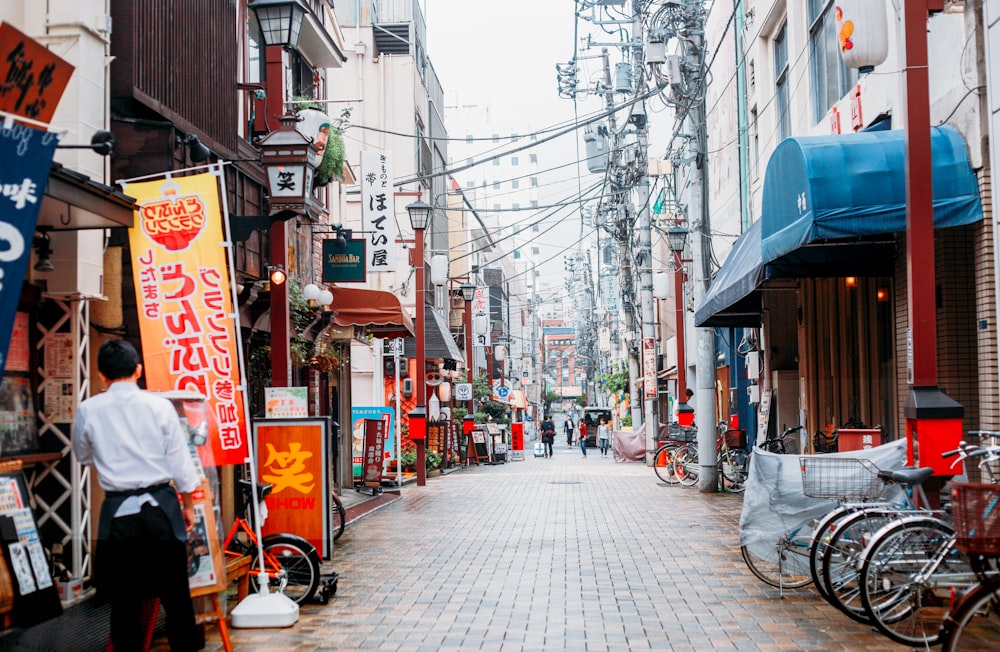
{"x":558,"y":554}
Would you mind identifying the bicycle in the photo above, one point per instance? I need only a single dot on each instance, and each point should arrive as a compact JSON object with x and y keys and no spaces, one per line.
{"x":974,"y":623}
{"x":777,"y":444}
{"x":665,"y":456}
{"x":733,"y":460}
{"x":291,"y":563}
{"x":911,"y":571}
{"x":338,"y":515}
{"x":778,"y":526}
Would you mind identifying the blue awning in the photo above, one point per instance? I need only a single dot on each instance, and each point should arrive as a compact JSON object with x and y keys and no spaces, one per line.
{"x":852,"y":187}
{"x":733,"y":299}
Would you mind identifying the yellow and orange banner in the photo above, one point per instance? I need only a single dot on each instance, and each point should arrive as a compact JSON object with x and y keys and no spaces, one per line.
{"x":185,"y":303}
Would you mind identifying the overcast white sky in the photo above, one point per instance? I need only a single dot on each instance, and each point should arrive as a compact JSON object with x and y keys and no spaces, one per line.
{"x":503,"y":55}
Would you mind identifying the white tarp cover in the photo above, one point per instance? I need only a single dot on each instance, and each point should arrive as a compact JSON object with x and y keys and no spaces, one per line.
{"x":774,"y":504}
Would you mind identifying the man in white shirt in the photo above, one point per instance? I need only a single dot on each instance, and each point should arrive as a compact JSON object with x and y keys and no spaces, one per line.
{"x":135,"y":441}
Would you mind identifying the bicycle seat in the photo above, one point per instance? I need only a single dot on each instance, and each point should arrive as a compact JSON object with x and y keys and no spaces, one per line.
{"x":910,"y":476}
{"x":263,"y":489}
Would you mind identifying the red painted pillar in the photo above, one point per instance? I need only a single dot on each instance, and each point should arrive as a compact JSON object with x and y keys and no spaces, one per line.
{"x":418,"y":252}
{"x":281,"y":372}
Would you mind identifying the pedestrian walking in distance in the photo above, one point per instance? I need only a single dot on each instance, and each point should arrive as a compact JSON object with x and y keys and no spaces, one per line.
{"x":583,"y":437}
{"x":548,"y":434}
{"x":135,"y":440}
{"x":603,"y":435}
{"x":568,"y":431}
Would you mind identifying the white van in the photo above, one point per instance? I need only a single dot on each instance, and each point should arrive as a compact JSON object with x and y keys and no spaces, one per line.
{"x":591,"y":417}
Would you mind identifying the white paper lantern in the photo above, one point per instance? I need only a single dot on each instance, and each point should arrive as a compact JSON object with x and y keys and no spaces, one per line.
{"x":862,"y":33}
{"x":439,"y":269}
{"x":661,"y":285}
{"x":444,"y":391}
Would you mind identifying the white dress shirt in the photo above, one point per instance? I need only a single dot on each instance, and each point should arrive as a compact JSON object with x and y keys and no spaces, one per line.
{"x":134,"y":439}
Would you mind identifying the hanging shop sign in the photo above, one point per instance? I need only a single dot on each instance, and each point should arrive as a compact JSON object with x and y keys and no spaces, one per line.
{"x":25,"y":161}
{"x":344,"y":263}
{"x":185,"y":306}
{"x":378,"y":209}
{"x":649,"y":367}
{"x":34,"y":77}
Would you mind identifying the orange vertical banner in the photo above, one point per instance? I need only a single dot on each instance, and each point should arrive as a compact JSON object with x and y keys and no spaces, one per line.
{"x":185,"y":302}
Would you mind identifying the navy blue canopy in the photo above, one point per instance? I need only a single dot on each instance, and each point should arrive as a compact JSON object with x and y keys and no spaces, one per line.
{"x":823,"y":188}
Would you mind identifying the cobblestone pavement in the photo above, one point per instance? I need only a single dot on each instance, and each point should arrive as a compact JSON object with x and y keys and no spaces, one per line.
{"x":564,"y":553}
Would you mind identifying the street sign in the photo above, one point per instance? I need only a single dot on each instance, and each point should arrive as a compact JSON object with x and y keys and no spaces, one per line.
{"x":463,"y":391}
{"x":503,"y":392}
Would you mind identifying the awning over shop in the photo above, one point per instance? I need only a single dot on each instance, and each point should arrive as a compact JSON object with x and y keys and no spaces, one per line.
{"x":75,"y":201}
{"x":377,"y":310}
{"x":733,"y":299}
{"x":850,"y":188}
{"x":830,"y":207}
{"x":438,"y":340}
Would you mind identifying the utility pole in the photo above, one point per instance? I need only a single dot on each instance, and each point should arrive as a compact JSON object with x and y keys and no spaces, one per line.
{"x":704,"y":393}
{"x":645,"y":254}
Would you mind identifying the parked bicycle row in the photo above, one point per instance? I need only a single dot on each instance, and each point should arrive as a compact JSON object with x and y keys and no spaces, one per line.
{"x":675,"y":460}
{"x":860,"y":527}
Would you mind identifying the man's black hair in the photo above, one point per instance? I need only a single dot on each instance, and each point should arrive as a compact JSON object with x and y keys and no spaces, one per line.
{"x":117,"y":359}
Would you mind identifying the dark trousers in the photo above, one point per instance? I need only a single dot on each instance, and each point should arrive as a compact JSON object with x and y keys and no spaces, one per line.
{"x":142,"y":559}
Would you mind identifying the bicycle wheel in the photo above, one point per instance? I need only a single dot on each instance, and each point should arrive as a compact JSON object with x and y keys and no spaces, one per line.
{"x":298,"y":558}
{"x":793,"y":571}
{"x":733,"y":468}
{"x":840,"y":560}
{"x":974,"y":623}
{"x":686,"y":465}
{"x":338,"y":516}
{"x":907,"y":611}
{"x":663,"y":463}
{"x":820,"y":537}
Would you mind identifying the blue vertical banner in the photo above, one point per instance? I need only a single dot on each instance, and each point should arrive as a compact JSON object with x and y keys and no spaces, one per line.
{"x":25,"y":161}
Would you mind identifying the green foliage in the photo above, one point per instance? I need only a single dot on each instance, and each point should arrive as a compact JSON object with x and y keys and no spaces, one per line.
{"x":614,"y":382}
{"x":480,"y":417}
{"x":481,"y":388}
{"x":495,"y":409}
{"x":627,"y":419}
{"x":581,"y":400}
{"x":334,"y":154}
{"x":458,"y":413}
{"x":258,"y":374}
{"x":433,"y":460}
{"x":550,"y":398}
{"x":301,"y":316}
{"x":408,"y":458}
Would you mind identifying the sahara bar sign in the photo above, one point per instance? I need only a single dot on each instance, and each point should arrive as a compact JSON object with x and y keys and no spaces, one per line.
{"x":343,"y":263}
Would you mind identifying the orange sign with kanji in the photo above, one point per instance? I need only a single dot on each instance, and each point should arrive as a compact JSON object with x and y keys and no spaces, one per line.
{"x":185,"y":303}
{"x":32,"y":78}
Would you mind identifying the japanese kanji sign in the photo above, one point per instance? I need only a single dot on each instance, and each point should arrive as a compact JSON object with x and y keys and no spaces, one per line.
{"x":293,"y":455}
{"x":378,"y":210}
{"x":185,"y":304}
{"x":25,"y":161}
{"x":32,"y":78}
{"x":649,"y":367}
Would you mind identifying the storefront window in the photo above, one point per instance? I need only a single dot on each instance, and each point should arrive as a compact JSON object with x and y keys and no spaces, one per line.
{"x":830,"y":75}
{"x":784,"y":120}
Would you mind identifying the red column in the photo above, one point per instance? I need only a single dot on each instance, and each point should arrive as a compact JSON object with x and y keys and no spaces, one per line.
{"x":679,"y":325}
{"x":418,"y":252}
{"x":281,"y":373}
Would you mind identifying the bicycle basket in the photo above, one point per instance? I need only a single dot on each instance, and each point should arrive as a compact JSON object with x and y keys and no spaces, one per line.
{"x":684,"y":434}
{"x":975,"y":513}
{"x":840,"y":478}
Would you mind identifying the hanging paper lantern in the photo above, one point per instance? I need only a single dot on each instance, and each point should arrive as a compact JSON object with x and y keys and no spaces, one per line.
{"x":661,"y":285}
{"x":444,"y":391}
{"x":862,"y":33}
{"x":439,"y":269}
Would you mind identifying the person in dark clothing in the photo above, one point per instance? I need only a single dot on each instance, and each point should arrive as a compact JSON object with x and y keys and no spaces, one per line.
{"x":548,"y":434}
{"x":568,"y":430}
{"x":138,"y":446}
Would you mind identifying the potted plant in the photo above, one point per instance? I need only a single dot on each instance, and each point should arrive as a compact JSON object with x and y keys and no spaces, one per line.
{"x":433,"y":462}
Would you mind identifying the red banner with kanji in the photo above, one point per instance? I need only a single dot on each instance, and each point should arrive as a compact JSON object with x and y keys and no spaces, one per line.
{"x":185,"y":304}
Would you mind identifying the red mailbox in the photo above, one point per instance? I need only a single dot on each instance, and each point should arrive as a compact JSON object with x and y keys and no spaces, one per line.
{"x":933,"y":426}
{"x":685,"y":415}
